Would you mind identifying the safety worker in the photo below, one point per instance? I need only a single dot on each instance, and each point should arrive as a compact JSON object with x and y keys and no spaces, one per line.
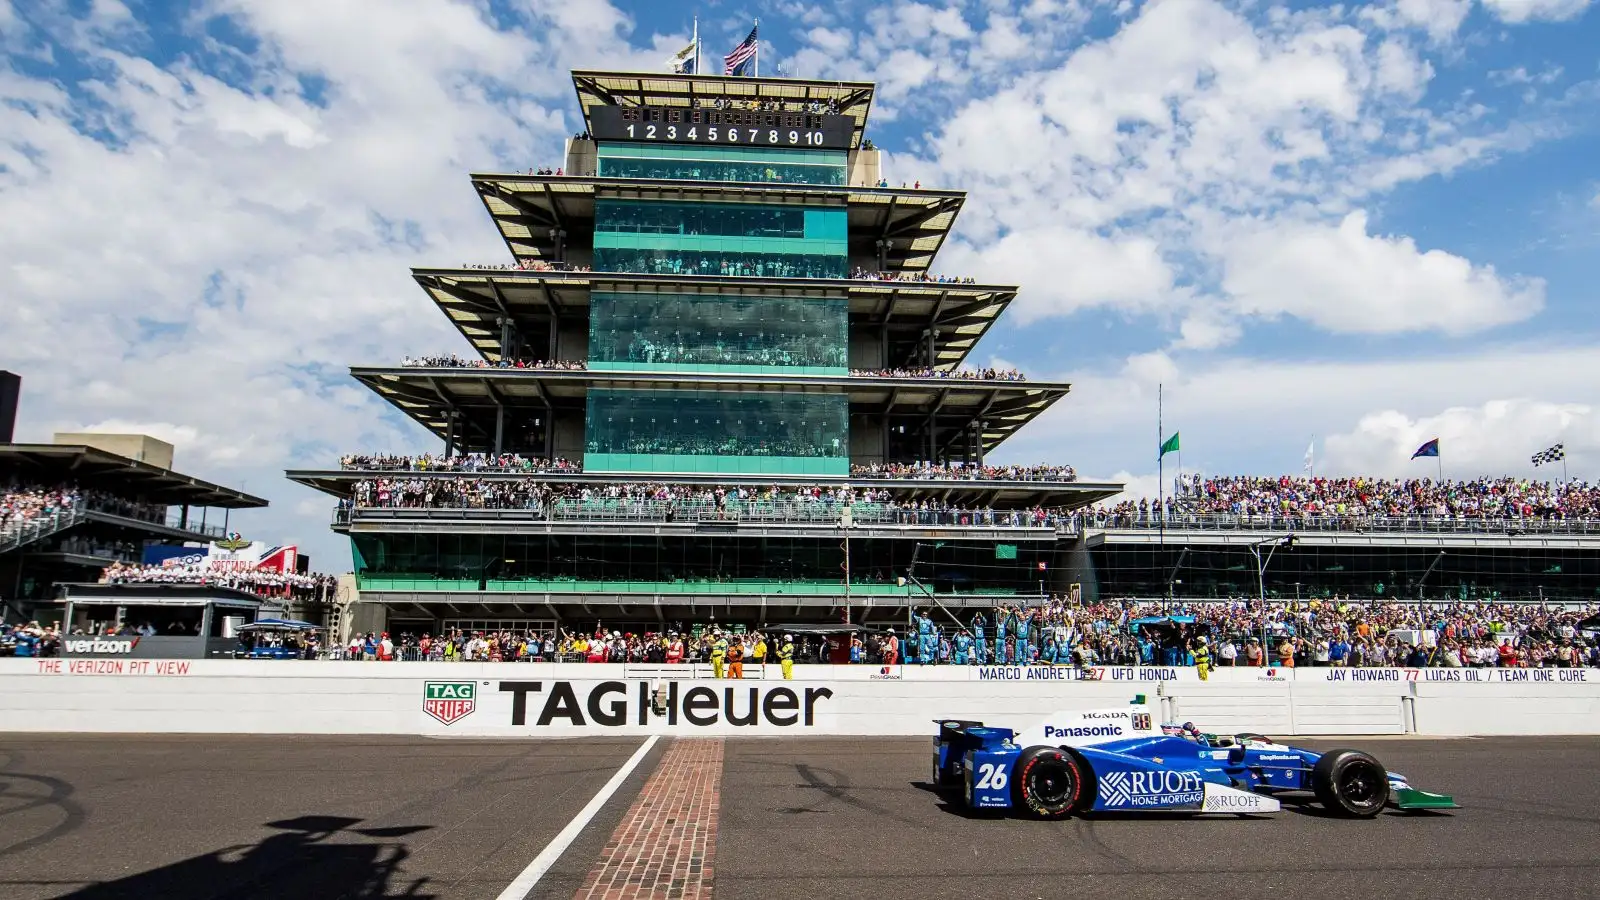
{"x":719,"y":654}
{"x":1202,"y":658}
{"x":786,"y":657}
{"x":758,"y":654}
{"x":675,"y":650}
{"x":736,"y":658}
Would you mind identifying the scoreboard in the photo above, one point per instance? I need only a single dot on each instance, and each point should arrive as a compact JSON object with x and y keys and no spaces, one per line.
{"x":727,"y":127}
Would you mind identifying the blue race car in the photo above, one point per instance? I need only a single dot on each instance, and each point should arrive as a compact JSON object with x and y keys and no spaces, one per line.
{"x":1114,"y":761}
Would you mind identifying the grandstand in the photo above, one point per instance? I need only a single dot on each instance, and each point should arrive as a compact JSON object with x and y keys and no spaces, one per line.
{"x":71,"y":508}
{"x":688,"y":327}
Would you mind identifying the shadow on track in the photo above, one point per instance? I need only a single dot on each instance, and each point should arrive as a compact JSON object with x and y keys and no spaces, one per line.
{"x":302,"y":861}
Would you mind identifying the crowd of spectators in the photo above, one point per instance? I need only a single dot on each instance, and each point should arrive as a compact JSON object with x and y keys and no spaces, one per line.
{"x":31,"y":639}
{"x":861,"y":274}
{"x":1337,"y":632}
{"x":527,"y":265}
{"x":683,"y":502}
{"x":462,"y":462}
{"x":1479,"y":498}
{"x":22,"y":504}
{"x":956,"y":471}
{"x":457,"y":362}
{"x":962,"y":374}
{"x":1288,"y":502}
{"x":266,"y":583}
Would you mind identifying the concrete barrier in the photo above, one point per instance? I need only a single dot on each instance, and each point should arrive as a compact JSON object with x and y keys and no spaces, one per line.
{"x":541,"y":699}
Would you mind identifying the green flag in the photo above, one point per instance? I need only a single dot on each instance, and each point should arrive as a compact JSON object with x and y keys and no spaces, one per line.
{"x":1171,"y":446}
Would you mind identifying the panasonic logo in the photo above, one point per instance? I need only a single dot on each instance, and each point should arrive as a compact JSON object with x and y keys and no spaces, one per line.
{"x":1050,"y":731}
{"x":101,"y":645}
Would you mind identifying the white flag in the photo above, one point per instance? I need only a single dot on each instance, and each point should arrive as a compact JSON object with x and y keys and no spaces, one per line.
{"x":1311,"y":456}
{"x":683,"y":62}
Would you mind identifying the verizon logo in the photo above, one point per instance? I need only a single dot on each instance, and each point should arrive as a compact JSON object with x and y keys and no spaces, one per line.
{"x":101,"y":645}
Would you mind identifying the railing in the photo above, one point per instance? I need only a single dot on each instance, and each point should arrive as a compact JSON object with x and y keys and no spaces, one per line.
{"x":1369,"y":524}
{"x":18,"y":534}
{"x":777,"y":512}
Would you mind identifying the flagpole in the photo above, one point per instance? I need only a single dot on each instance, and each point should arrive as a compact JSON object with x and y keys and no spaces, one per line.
{"x":1161,"y":479}
{"x":697,"y":69}
{"x":758,"y":48}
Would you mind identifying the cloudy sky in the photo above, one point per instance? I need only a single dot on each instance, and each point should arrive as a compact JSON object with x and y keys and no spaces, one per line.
{"x":1362,"y":225}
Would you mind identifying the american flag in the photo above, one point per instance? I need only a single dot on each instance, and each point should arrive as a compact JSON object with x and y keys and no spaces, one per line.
{"x":734,"y":63}
{"x":1553,"y":454}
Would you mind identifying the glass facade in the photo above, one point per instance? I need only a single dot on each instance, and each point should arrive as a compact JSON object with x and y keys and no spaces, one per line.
{"x":1464,"y":573}
{"x":698,"y":162}
{"x":711,"y":333}
{"x":670,"y":238}
{"x":716,"y":431}
{"x":689,"y":564}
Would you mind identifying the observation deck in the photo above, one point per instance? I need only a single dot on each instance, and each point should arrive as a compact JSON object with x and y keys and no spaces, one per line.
{"x":551,"y":218}
{"x":492,"y":307}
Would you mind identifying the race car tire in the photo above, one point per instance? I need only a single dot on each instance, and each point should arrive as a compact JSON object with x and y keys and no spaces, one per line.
{"x":1350,"y":783}
{"x":1049,"y":782}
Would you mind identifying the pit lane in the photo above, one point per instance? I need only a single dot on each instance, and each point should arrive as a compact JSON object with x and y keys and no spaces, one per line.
{"x":191,"y":817}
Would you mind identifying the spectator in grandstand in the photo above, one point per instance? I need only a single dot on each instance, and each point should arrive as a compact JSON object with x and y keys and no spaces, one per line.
{"x":990,"y":374}
{"x":1367,"y":498}
{"x":456,"y":362}
{"x":860,"y":274}
{"x":259,"y":581}
{"x":466,"y":462}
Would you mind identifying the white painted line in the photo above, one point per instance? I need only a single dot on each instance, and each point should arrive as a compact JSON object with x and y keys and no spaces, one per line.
{"x":524,"y":883}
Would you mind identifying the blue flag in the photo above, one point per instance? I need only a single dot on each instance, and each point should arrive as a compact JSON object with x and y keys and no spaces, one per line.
{"x":1431,"y":448}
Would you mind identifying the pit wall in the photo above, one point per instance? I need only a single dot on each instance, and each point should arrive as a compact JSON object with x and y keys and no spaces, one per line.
{"x":570,"y":700}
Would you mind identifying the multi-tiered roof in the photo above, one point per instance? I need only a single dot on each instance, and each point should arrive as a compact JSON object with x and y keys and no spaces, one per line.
{"x":539,"y":309}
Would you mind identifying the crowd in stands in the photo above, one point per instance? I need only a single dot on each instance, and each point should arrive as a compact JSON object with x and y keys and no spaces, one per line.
{"x":314,"y":587}
{"x":683,"y":502}
{"x":1335,"y":632}
{"x":466,"y":462}
{"x":23,"y":504}
{"x":1479,"y":498}
{"x":860,"y":274}
{"x":527,"y":265}
{"x":1288,"y":502}
{"x":456,"y":362}
{"x":956,"y":471}
{"x":962,"y":374}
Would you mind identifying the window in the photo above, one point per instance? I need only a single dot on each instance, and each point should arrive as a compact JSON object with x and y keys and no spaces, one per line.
{"x":716,"y":431}
{"x":710,"y":333}
{"x":712,"y":163}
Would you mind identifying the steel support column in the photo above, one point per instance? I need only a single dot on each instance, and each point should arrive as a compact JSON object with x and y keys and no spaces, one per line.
{"x":499,"y":428}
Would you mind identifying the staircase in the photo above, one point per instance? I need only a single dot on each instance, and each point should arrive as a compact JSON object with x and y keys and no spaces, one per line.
{"x":16,"y":536}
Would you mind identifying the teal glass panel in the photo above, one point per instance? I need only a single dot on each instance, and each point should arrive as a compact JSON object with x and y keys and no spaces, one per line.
{"x":712,"y":163}
{"x":667,"y":238}
{"x":756,"y":432}
{"x":711,"y":333}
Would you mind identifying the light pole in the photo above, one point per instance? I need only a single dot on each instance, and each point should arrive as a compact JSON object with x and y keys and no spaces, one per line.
{"x":1272,"y":545}
{"x":846,"y":519}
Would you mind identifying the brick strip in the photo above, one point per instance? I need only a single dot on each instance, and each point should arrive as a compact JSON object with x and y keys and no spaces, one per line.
{"x":663,"y":848}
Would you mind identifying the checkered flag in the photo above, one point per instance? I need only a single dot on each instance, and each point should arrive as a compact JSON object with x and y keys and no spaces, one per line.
{"x":1554,"y":454}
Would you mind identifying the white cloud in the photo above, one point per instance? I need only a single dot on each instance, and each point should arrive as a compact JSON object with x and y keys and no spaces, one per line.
{"x":1343,"y":279}
{"x":1517,"y":11}
{"x":1063,"y":271}
{"x":1439,"y":18}
{"x":198,"y":249}
{"x":1255,"y":415}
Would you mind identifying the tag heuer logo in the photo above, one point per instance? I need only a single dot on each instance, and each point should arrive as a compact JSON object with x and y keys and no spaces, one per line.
{"x":449,"y":701}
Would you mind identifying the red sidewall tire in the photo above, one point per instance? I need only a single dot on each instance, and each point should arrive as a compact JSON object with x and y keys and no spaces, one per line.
{"x":1041,"y":767}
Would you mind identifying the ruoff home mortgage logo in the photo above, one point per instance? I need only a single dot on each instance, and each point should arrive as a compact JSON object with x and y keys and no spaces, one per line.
{"x":449,"y":701}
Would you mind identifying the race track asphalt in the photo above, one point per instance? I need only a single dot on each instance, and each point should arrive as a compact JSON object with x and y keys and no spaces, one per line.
{"x":207,"y":817}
